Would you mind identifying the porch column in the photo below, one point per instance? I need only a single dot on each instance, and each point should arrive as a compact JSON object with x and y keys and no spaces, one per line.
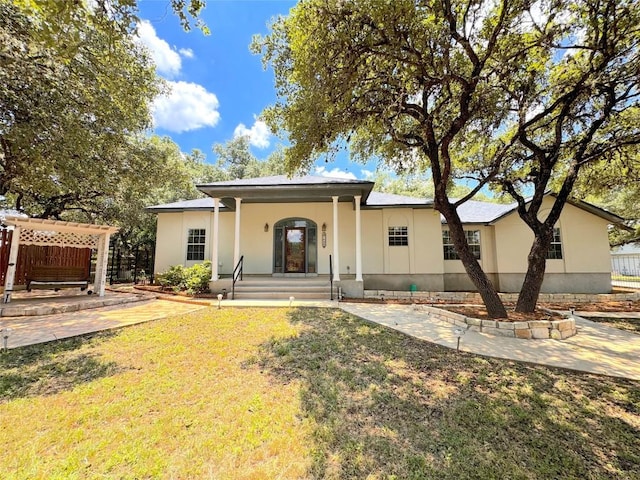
{"x":101,"y":264}
{"x":215,"y":235}
{"x":358,"y":240}
{"x":336,"y":250}
{"x":236,"y":245}
{"x":11,"y":271}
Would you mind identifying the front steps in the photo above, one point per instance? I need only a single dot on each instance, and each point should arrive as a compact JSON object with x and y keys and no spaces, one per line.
{"x":281,"y":288}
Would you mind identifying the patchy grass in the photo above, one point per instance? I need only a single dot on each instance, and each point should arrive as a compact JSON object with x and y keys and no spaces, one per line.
{"x":628,"y":324}
{"x":302,"y":393}
{"x":168,"y":399}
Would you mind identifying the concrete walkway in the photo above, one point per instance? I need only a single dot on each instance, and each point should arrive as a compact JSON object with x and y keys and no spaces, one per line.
{"x":596,"y":348}
{"x":45,"y":328}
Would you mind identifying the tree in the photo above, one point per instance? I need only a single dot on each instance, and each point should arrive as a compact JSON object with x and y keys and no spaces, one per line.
{"x":235,"y":160}
{"x":460,"y":87}
{"x":70,"y":111}
{"x":579,"y":111}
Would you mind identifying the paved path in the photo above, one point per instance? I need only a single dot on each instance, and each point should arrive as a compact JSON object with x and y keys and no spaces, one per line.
{"x":45,"y":328}
{"x":596,"y":348}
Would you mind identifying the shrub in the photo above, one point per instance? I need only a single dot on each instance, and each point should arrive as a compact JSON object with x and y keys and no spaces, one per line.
{"x":193,"y":279}
{"x":197,"y":277}
{"x":174,"y":277}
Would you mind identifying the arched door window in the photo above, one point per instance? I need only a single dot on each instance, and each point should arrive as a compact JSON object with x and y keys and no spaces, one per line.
{"x":295,"y":246}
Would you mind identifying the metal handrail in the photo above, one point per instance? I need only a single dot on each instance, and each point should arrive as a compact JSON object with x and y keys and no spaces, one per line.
{"x":237,"y":272}
{"x":331,"y":275}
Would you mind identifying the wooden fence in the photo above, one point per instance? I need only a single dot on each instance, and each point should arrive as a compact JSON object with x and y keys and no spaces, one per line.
{"x":34,"y":255}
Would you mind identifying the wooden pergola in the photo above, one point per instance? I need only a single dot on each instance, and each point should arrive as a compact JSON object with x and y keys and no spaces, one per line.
{"x":37,"y":231}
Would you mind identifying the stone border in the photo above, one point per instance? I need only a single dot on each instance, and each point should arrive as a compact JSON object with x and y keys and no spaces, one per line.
{"x":506,"y":297}
{"x":535,"y":329}
{"x":86,"y":304}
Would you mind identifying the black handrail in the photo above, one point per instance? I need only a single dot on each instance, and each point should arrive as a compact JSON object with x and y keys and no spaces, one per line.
{"x":237,"y":272}
{"x":331,"y":275}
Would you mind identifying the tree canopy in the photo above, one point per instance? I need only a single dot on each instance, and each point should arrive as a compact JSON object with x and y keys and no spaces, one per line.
{"x":514,"y":94}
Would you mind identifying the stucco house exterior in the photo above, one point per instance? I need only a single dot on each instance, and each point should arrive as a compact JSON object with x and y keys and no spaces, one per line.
{"x":306,"y":226}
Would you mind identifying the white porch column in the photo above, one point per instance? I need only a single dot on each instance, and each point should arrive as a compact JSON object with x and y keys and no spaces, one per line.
{"x":102,"y":259}
{"x":236,"y":245}
{"x":215,"y":235}
{"x":336,"y":237}
{"x":358,"y":240}
{"x":11,"y":271}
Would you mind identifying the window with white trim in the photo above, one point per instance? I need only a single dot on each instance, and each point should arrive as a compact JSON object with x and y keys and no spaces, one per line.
{"x":555,"y":249}
{"x":398,"y":236}
{"x":195,"y":244}
{"x":449,"y":250}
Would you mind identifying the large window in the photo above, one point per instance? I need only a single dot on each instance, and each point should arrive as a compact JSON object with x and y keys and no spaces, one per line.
{"x":555,"y":249}
{"x":473,"y":239}
{"x":398,"y":236}
{"x":195,"y":244}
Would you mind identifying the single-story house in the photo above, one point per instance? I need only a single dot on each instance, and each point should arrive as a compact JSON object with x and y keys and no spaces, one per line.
{"x":308,"y":226}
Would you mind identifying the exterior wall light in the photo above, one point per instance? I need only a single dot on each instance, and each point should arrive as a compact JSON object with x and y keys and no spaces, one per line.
{"x":324,"y":235}
{"x":266,"y":227}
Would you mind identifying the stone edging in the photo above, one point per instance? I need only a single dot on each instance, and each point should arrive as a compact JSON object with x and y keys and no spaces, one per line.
{"x":25,"y":311}
{"x":535,"y":329}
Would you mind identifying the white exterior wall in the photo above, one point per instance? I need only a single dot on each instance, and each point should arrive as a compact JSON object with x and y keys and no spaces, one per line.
{"x":504,"y":246}
{"x":585,"y":244}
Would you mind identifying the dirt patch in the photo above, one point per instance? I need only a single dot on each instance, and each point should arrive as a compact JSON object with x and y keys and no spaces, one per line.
{"x":479,"y":311}
{"x":617,"y":306}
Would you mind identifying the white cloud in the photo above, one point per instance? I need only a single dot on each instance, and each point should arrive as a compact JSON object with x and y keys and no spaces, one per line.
{"x":186,"y":52}
{"x":367,"y":174}
{"x":335,"y":173}
{"x":188,"y":106}
{"x":258,"y":134}
{"x":167,"y":60}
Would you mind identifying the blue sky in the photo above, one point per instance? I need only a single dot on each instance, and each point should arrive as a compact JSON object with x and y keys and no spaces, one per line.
{"x":218,"y":88}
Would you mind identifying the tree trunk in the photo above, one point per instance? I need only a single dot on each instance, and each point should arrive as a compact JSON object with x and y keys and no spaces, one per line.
{"x":537,"y":263}
{"x":495,"y":307}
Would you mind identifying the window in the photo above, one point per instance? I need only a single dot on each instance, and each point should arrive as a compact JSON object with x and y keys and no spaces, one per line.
{"x":473,"y":239}
{"x":398,"y":236}
{"x":555,"y":249}
{"x":195,"y":244}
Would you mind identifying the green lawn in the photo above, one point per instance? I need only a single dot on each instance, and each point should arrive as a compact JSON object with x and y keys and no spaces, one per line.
{"x":302,"y":393}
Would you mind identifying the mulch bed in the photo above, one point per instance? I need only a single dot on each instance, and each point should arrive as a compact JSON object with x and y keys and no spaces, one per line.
{"x":479,"y":311}
{"x":624,"y":306}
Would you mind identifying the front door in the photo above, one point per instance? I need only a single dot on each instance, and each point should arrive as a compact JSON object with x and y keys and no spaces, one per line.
{"x":294,"y":250}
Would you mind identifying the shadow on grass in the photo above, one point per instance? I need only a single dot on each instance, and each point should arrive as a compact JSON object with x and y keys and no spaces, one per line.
{"x":386,"y":405}
{"x":52,"y":367}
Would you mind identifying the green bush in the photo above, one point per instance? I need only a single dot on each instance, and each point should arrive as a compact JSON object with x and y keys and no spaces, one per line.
{"x":174,"y":277}
{"x":197,"y":277}
{"x":193,"y":279}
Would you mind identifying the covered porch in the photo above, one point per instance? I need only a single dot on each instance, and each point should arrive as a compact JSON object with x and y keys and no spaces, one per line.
{"x":295,"y":228}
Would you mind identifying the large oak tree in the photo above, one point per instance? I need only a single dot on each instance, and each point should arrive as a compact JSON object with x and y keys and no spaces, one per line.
{"x":469,"y":89}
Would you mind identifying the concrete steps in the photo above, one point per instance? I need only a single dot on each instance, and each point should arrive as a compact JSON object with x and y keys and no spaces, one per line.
{"x":271,"y":288}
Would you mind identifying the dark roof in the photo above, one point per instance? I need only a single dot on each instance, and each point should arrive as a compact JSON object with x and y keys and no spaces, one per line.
{"x":473,"y":211}
{"x":280,"y":188}
{"x":485,"y":212}
{"x":283,"y":180}
{"x":184,"y":205}
{"x":310,"y":188}
{"x":379,"y":199}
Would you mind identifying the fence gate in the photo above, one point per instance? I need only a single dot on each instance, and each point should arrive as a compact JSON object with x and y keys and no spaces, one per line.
{"x":625,"y":270}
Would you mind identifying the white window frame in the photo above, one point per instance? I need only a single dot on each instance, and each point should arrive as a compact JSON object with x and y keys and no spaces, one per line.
{"x":555,"y":248}
{"x":196,"y":237}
